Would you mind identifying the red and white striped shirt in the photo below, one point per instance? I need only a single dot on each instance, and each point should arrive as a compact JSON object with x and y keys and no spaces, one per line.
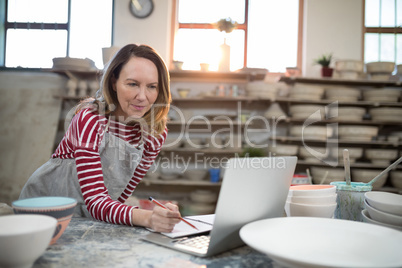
{"x":82,"y":140}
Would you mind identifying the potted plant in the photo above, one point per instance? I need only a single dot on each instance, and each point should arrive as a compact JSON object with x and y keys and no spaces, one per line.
{"x":325,"y":61}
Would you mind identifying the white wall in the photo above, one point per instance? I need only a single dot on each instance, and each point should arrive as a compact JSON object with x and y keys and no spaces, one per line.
{"x":330,"y":26}
{"x":153,"y":30}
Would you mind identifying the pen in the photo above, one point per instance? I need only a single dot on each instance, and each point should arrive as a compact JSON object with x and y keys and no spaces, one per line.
{"x":163,"y":206}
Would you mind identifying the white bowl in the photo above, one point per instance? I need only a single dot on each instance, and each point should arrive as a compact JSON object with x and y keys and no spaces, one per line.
{"x":303,"y":96}
{"x":195,"y":174}
{"x":317,"y":154}
{"x":366,"y":218}
{"x":382,"y":95}
{"x":380,"y":67}
{"x":349,"y":65}
{"x":308,"y":210}
{"x":381,"y":156}
{"x":334,"y":174}
{"x":311,"y":190}
{"x":357,"y":132}
{"x":24,"y":238}
{"x":384,"y":201}
{"x":283,"y":149}
{"x":384,"y":217}
{"x":307,"y":89}
{"x":305,"y":111}
{"x":311,"y":132}
{"x":347,"y":113}
{"x":313,"y":200}
{"x":342,"y":93}
{"x":366,"y":175}
{"x":396,"y":179}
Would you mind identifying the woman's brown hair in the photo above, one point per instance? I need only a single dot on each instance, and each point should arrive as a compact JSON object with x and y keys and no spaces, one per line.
{"x":106,"y":98}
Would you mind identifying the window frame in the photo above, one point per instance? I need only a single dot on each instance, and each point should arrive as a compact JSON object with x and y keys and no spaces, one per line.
{"x":175,"y":25}
{"x":377,"y":30}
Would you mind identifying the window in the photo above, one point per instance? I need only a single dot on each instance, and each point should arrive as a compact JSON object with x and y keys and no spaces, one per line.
{"x":267,"y":35}
{"x":383,"y":32}
{"x":37,"y":31}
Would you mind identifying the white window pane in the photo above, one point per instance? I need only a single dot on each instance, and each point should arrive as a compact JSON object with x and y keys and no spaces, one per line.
{"x":272,"y":35}
{"x":51,"y":11}
{"x":90,"y":29}
{"x":28,"y":48}
{"x":387,"y":13}
{"x":372,"y":14}
{"x":371,"y":47}
{"x":195,"y":46}
{"x":387,"y":47}
{"x":399,"y":49}
{"x":210,"y":11}
{"x":399,"y":13}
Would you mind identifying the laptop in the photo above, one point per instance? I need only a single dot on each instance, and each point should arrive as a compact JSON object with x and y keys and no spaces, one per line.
{"x":253,"y":188}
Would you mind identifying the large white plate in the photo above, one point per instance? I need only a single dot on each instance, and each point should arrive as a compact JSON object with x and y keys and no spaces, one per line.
{"x":320,"y":242}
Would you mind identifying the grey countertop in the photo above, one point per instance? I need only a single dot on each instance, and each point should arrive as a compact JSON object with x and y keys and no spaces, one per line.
{"x":89,"y":243}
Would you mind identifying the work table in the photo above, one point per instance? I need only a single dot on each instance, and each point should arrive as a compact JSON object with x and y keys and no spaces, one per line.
{"x":90,"y":243}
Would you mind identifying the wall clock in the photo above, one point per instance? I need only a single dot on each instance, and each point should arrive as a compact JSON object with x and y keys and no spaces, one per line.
{"x":141,"y":8}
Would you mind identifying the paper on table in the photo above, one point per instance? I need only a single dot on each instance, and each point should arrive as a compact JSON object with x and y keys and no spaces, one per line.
{"x":202,"y":222}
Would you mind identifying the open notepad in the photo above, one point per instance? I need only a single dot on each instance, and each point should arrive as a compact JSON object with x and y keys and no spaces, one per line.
{"x":202,"y":222}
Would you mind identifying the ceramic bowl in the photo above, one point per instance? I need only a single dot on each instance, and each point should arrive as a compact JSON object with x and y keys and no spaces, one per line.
{"x":381,"y":156}
{"x":307,"y":89}
{"x":381,"y":216}
{"x":313,"y":200}
{"x":334,"y":174}
{"x":203,"y":196}
{"x":311,"y":132}
{"x":178,"y":65}
{"x":60,"y":208}
{"x":24,"y":238}
{"x":357,"y":132}
{"x":386,"y":202}
{"x":342,"y":94}
{"x":195,"y":174}
{"x":311,"y":190}
{"x":347,"y":113}
{"x":366,"y":175}
{"x":382,"y":95}
{"x":307,"y":111}
{"x":380,"y":67}
{"x":315,"y":154}
{"x":349,"y":65}
{"x":309,"y":210}
{"x":396,"y":179}
{"x":283,"y":149}
{"x":366,"y":218}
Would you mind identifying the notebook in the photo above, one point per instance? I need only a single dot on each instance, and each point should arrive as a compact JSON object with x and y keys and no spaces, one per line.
{"x":253,"y":188}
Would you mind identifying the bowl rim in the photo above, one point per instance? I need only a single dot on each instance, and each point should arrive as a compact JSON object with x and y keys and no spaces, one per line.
{"x":390,"y":216}
{"x":397,"y":206}
{"x":45,"y":221}
{"x":366,"y":216}
{"x":42,"y":202}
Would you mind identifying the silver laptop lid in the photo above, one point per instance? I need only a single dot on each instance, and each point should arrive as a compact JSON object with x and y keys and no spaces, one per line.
{"x":253,"y":188}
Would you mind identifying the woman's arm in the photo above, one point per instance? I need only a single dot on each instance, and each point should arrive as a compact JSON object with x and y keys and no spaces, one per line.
{"x":87,"y":131}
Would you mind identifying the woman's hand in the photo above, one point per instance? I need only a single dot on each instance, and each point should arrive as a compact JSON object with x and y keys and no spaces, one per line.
{"x":159,"y":219}
{"x":164,"y":220}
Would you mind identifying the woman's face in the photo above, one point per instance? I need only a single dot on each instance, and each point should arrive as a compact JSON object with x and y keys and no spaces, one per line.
{"x":136,"y":88}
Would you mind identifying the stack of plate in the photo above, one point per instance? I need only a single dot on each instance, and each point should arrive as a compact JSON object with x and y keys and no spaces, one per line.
{"x":386,"y":114}
{"x":384,"y":209}
{"x":342,"y":94}
{"x":357,"y":132}
{"x":310,"y":132}
{"x":382,"y":95}
{"x":262,"y":90}
{"x":349,"y":69}
{"x":347,"y":113}
{"x":311,"y":201}
{"x":307,"y":111}
{"x":306,"y":92}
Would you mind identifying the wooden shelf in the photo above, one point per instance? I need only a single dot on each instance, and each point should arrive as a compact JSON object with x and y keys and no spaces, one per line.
{"x":346,"y":122}
{"x":184,"y":75}
{"x":179,"y":182}
{"x":331,"y":140}
{"x":339,"y":81}
{"x":352,"y":165}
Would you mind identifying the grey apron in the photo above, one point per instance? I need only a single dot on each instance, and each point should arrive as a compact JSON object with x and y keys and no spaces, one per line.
{"x":58,"y":177}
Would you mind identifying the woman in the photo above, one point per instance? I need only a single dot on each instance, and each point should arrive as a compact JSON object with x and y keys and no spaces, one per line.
{"x":111,"y":143}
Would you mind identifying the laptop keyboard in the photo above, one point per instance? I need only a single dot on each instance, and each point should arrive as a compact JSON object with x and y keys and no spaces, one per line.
{"x":195,"y":243}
